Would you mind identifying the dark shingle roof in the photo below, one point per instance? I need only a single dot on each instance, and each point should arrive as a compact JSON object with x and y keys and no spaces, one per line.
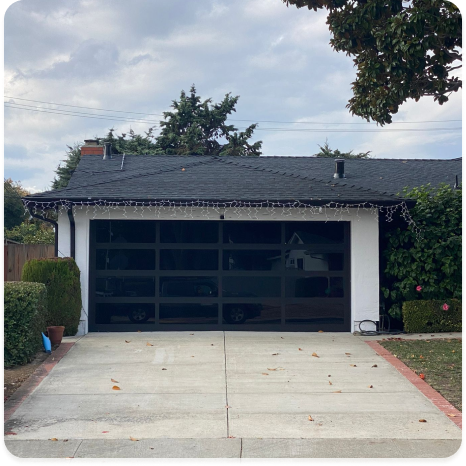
{"x":249,"y":178}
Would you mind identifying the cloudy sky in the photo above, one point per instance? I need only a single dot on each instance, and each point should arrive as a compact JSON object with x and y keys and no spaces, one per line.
{"x":136,"y":56}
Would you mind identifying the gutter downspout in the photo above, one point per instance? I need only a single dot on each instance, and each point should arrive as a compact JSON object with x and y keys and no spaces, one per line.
{"x":72,"y":234}
{"x":53,"y":222}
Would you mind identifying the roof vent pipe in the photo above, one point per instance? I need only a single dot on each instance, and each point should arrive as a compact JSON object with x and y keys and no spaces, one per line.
{"x":107,"y":151}
{"x":339,"y":169}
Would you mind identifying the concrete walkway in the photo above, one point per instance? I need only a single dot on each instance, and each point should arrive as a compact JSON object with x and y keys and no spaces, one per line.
{"x":227,"y":394}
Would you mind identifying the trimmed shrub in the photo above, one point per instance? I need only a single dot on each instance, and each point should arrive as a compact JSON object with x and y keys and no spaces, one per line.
{"x":429,"y":316}
{"x":25,"y":318}
{"x":61,"y":277}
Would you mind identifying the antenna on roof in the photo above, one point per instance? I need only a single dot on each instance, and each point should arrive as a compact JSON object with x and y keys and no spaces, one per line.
{"x":122,"y":161}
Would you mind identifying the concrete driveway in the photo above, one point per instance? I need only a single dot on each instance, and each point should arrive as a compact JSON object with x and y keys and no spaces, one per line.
{"x":227,"y":394}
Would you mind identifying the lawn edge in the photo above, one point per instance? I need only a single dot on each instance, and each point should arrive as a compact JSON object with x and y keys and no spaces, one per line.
{"x":432,"y":395}
{"x":30,"y":384}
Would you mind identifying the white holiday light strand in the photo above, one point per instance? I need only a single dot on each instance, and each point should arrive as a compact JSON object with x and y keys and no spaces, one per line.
{"x":213,"y":210}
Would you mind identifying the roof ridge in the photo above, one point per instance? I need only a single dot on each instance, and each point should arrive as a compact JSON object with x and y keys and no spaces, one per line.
{"x":359,"y":188}
{"x":156,"y":172}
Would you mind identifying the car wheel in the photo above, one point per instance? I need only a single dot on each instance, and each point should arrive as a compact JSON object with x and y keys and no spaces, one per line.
{"x":138,"y":316}
{"x":235,"y":315}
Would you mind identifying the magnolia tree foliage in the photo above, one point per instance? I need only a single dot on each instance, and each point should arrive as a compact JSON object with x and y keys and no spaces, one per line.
{"x":428,"y":267}
{"x":402,"y":50}
{"x":197,"y":127}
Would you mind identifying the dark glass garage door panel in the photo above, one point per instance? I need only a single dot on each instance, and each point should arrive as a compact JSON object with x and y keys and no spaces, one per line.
{"x":188,"y":287}
{"x":188,"y":313}
{"x":314,"y":232}
{"x":252,"y":232}
{"x":253,"y":259}
{"x":264,"y":312}
{"x":188,"y":231}
{"x":312,"y":261}
{"x":128,"y":287}
{"x":314,"y":287}
{"x":251,"y":287}
{"x":316,"y":311}
{"x":132,"y":314}
{"x":125,"y":259}
{"x":125,"y":231}
{"x":188,"y":259}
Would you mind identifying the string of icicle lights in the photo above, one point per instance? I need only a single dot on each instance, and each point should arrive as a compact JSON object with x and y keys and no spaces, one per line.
{"x":333,"y":211}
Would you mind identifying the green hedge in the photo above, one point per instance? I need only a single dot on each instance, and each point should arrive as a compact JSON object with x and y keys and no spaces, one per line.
{"x":61,"y":277}
{"x":429,"y":316}
{"x":25,"y":318}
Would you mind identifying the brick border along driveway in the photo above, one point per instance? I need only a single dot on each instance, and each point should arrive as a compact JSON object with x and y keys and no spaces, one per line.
{"x":438,"y":400}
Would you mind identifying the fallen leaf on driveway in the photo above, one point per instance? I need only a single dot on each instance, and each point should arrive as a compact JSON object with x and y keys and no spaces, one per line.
{"x":53,"y":439}
{"x":66,"y":440}
{"x":320,"y":331}
{"x":370,"y":386}
{"x":315,"y":355}
{"x":231,"y":436}
{"x":338,"y":391}
{"x":114,"y":381}
{"x":105,"y":431}
{"x":126,"y":341}
{"x":133,"y":439}
{"x":353,"y":365}
{"x":149,"y":344}
{"x":116,"y":388}
{"x":310,"y":418}
{"x":375,"y":365}
{"x":11,"y":433}
{"x":422,"y":420}
{"x":164,"y":368}
{"x":348,"y":354}
{"x":451,"y":415}
{"x":422,"y":376}
{"x":227,"y":407}
{"x":329,"y":375}
{"x":191,"y":333}
{"x":271,"y":369}
{"x":299,"y":349}
{"x":282,"y":338}
{"x":275,"y":354}
{"x":330,"y":383}
{"x":264,"y":373}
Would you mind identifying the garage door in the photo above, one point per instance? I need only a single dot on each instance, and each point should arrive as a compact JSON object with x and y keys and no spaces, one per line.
{"x":219,"y":275}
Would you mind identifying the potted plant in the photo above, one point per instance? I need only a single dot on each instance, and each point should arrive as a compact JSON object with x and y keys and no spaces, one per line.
{"x":55,"y":333}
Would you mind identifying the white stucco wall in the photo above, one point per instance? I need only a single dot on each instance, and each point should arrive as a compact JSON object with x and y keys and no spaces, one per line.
{"x":364,"y":249}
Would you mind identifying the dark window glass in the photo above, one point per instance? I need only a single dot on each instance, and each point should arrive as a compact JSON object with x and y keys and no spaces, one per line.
{"x":125,"y":259}
{"x":252,"y":232}
{"x":188,"y":259}
{"x":252,"y":313}
{"x":125,"y":231}
{"x":301,"y":259}
{"x":257,"y":259}
{"x":251,"y":287}
{"x":124,"y":313}
{"x":315,"y":311}
{"x":188,"y":231}
{"x":314,"y":287}
{"x":188,"y":313}
{"x":188,"y":287}
{"x":127,"y":287}
{"x":314,"y":232}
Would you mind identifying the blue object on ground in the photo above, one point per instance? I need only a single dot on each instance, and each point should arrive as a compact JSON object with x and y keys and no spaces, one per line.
{"x":47,"y":344}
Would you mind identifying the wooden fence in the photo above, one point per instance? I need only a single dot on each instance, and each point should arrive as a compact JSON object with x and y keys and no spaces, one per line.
{"x":15,"y":255}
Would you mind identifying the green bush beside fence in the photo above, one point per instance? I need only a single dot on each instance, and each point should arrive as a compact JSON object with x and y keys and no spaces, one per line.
{"x":61,"y":277}
{"x":429,"y":316}
{"x":25,"y":318}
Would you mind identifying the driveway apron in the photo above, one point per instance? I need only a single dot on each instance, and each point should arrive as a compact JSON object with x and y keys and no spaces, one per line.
{"x":217,"y":385}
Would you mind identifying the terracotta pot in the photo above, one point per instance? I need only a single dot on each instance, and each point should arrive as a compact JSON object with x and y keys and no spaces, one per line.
{"x":55,"y":334}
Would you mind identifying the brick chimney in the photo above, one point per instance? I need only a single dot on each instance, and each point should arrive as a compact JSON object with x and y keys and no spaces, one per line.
{"x":91,"y":147}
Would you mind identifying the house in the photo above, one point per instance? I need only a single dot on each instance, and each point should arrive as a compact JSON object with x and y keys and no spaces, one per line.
{"x":213,"y":243}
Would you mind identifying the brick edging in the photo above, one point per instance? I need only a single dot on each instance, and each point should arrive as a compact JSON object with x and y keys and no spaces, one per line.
{"x":433,"y":395}
{"x":15,"y":400}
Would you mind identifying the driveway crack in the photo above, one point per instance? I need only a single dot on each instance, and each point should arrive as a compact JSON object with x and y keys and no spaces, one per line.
{"x":226,"y":384}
